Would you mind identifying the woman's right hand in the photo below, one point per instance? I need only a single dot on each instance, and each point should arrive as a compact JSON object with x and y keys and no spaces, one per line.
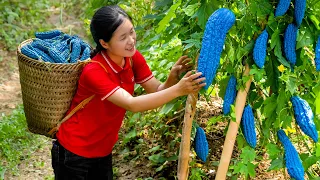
{"x":190,"y":83}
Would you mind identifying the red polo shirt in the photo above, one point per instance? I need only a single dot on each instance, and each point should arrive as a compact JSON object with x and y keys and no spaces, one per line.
{"x":93,"y":131}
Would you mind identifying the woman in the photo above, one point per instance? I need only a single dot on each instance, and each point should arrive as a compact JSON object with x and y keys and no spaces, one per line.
{"x":85,"y":141}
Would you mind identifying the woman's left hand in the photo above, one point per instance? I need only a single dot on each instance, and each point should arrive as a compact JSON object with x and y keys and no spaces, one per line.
{"x":181,"y":66}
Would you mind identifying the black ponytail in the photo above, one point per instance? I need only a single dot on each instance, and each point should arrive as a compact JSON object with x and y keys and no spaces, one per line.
{"x":103,"y":24}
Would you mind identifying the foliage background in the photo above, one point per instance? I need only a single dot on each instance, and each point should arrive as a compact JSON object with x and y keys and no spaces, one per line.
{"x":179,"y":25}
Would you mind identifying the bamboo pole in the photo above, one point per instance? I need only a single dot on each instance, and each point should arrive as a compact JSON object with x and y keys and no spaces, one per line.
{"x":233,"y":129}
{"x":184,"y":153}
{"x":183,"y":163}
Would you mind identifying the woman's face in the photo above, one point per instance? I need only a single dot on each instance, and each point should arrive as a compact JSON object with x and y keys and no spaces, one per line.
{"x":123,"y":40}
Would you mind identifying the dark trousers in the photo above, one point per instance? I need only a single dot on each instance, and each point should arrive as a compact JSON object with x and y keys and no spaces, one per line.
{"x":69,"y":166}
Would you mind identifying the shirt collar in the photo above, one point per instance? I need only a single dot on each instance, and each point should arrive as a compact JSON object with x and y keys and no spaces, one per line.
{"x":115,"y":67}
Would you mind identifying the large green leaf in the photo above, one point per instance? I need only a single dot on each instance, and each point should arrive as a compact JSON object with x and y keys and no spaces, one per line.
{"x":305,"y":37}
{"x":261,"y":8}
{"x":169,"y":16}
{"x":190,"y":10}
{"x":316,"y":90}
{"x":251,"y":170}
{"x":318,"y":149}
{"x":309,"y":161}
{"x":203,"y":13}
{"x":275,"y":38}
{"x":276,"y":164}
{"x":258,"y":73}
{"x":273,"y":151}
{"x":157,"y":158}
{"x":278,"y":53}
{"x":162,"y":4}
{"x":315,"y":21}
{"x":241,"y":141}
{"x":241,"y":168}
{"x":272,"y":72}
{"x":223,"y":86}
{"x":132,"y":134}
{"x":168,"y":107}
{"x":269,"y":111}
{"x":248,"y":154}
{"x":282,"y":101}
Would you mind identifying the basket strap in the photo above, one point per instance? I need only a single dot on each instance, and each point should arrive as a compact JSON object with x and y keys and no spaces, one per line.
{"x":77,"y":108}
{"x":74,"y":110}
{"x":100,"y":65}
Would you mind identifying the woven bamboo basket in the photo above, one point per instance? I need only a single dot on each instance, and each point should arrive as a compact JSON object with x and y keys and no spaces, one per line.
{"x":47,"y":90}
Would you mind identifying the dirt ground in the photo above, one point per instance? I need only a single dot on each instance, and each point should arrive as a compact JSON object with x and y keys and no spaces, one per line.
{"x":10,"y":91}
{"x":39,"y":165}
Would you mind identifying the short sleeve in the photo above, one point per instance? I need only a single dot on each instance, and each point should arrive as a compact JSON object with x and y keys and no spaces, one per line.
{"x":98,"y":81}
{"x":141,"y":70}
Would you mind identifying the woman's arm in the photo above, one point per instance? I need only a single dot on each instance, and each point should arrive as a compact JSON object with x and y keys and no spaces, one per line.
{"x":154,"y":85}
{"x":181,"y":66}
{"x":188,"y":84}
